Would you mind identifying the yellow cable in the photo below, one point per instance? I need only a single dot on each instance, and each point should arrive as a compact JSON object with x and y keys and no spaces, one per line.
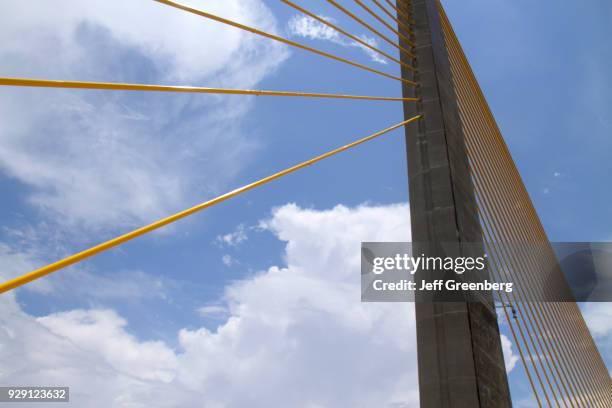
{"x":349,"y":35}
{"x":406,"y":14}
{"x":280,"y":39}
{"x":574,"y":360}
{"x":46,"y":83}
{"x":394,"y":18}
{"x":39,"y":273}
{"x":372,"y":29}
{"x":383,"y":22}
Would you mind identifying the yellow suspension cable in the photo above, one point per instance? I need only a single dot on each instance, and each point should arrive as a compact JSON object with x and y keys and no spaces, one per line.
{"x":39,"y":273}
{"x":369,"y":27}
{"x":46,"y":83}
{"x":406,"y":14}
{"x":393,"y":17}
{"x":280,"y":39}
{"x":519,"y":221}
{"x":349,"y":35}
{"x":383,"y":22}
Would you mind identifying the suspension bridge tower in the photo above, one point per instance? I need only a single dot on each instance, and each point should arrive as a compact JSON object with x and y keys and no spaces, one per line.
{"x":460,"y":357}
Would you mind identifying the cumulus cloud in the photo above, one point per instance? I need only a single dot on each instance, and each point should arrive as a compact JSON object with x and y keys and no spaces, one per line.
{"x":598,"y":317}
{"x":308,"y":27}
{"x":105,"y":160}
{"x":102,"y":331}
{"x":85,"y":350}
{"x":295,"y":335}
{"x":510,"y":359}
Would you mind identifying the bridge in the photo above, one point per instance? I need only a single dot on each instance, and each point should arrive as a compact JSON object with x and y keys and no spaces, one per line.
{"x":464,"y":187}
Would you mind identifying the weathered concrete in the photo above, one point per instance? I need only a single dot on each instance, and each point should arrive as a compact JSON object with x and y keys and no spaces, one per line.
{"x":459,"y":350}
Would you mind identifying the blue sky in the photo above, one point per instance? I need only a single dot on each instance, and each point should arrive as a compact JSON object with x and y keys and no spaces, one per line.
{"x":78,"y":167}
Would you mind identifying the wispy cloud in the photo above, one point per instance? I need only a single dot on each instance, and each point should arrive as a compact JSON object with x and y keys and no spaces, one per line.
{"x":106,"y":160}
{"x":234,"y":238}
{"x":308,"y":27}
{"x":214,"y":312}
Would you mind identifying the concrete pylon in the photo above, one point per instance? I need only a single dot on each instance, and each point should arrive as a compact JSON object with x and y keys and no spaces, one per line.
{"x":460,"y":357}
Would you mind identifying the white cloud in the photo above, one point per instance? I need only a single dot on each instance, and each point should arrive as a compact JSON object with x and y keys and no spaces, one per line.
{"x":188,"y":47}
{"x":228,"y":260}
{"x":79,"y":282}
{"x":296,"y":334}
{"x":234,"y":238}
{"x":14,"y":263}
{"x":598,"y":317}
{"x":134,"y":285}
{"x":84,"y":349}
{"x":308,"y":27}
{"x":102,"y":331}
{"x":98,"y":160}
{"x":527,"y":401}
{"x":214,"y":312}
{"x":510,"y":359}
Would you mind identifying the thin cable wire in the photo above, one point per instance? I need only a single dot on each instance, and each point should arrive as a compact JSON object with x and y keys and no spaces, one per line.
{"x":39,"y":273}
{"x":537,"y":372}
{"x":369,"y":27}
{"x":558,"y":317}
{"x":467,"y":117}
{"x":530,"y":215}
{"x":509,"y":260}
{"x":484,"y":144}
{"x":519,"y":345}
{"x":46,"y":83}
{"x":349,"y":35}
{"x":509,"y":182}
{"x":494,"y":257}
{"x":279,"y":39}
{"x":526,"y":359}
{"x":501,"y":201}
{"x":494,"y":205}
{"x":394,"y":18}
{"x":383,"y":22}
{"x":549,"y":319}
{"x":539,"y":317}
{"x":467,"y":114}
{"x":401,"y":10}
